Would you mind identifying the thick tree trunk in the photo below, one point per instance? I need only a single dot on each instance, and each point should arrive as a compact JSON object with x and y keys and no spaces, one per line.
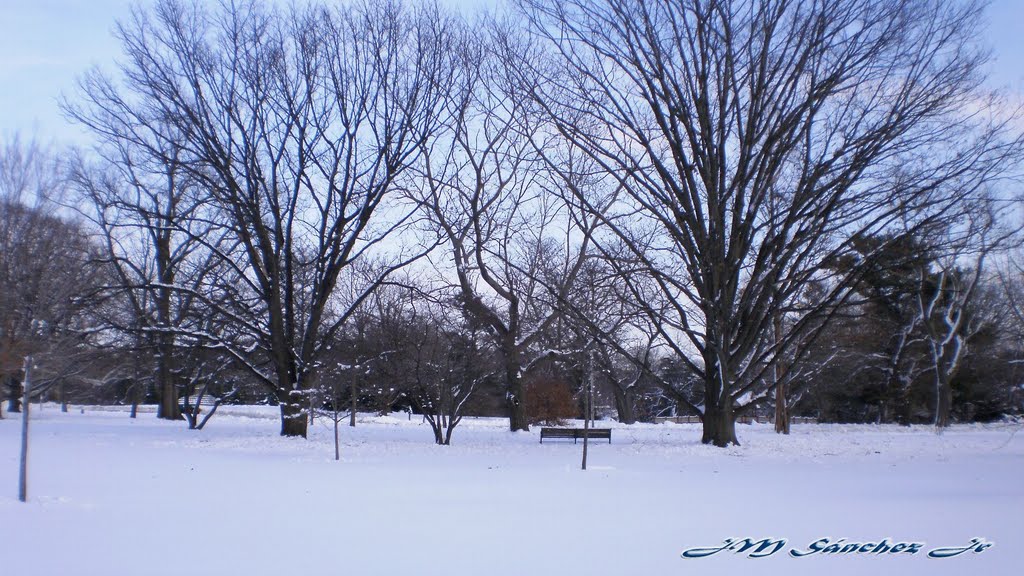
{"x":14,"y":399}
{"x":781,"y":409}
{"x":293,"y":415}
{"x":168,"y":408}
{"x":517,"y":417}
{"x":624,"y":405}
{"x":719,"y":427}
{"x":719,"y":420}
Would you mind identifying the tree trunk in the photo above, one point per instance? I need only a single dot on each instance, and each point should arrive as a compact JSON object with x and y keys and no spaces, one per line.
{"x":943,"y":401}
{"x":905,"y":409}
{"x":781,"y":395}
{"x":517,"y":417}
{"x":719,"y":420}
{"x":781,"y":408}
{"x":168,"y":408}
{"x":719,"y":425}
{"x":293,"y":415}
{"x":312,"y":410}
{"x":135,"y":399}
{"x":191,"y":413}
{"x":624,"y":405}
{"x":14,"y":399}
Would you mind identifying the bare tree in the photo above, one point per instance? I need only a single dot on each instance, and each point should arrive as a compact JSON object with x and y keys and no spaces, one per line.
{"x":1011,"y":280}
{"x":149,"y":215}
{"x":490,"y":196}
{"x":49,"y":283}
{"x":753,"y":141}
{"x":298,"y":124}
{"x":207,"y":382}
{"x":948,"y":294}
{"x":331,"y":392}
{"x":29,"y":173}
{"x":49,"y":287}
{"x":449,"y":361}
{"x":359,"y":363}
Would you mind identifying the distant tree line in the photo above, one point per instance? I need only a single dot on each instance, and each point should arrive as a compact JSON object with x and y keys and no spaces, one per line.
{"x":714,"y":208}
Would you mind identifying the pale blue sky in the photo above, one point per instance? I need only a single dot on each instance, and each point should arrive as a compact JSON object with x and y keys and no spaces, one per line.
{"x":46,"y":44}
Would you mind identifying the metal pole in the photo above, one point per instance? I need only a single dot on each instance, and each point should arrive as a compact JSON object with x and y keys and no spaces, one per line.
{"x":23,"y":472}
{"x":586,"y":407}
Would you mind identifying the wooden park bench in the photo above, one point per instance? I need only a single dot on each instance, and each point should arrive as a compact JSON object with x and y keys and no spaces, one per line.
{"x":207,"y":401}
{"x":575,"y":433}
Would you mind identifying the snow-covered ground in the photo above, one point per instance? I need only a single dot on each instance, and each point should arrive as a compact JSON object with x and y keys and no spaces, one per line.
{"x":110,"y":496}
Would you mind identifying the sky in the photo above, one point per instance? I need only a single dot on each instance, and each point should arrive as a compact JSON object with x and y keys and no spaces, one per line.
{"x":46,"y":44}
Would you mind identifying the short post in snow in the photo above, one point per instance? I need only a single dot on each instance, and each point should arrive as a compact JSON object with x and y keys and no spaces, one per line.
{"x":23,"y":471}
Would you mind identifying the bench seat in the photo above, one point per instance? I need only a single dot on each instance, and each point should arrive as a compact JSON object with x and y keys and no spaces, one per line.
{"x":575,"y":434}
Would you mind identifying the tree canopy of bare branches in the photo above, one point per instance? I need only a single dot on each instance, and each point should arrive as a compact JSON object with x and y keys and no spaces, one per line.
{"x":754,"y":141}
{"x":49,"y":287}
{"x":297,"y":124}
{"x":494,"y":199}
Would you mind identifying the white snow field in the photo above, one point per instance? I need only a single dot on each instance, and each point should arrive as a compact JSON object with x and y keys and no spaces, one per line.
{"x":110,"y":496}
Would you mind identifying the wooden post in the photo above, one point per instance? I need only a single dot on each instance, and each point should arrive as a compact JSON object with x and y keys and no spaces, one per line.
{"x":337,"y":445}
{"x":23,"y":471}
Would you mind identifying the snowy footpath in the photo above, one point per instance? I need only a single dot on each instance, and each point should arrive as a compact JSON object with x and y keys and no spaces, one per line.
{"x":113,"y":496}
